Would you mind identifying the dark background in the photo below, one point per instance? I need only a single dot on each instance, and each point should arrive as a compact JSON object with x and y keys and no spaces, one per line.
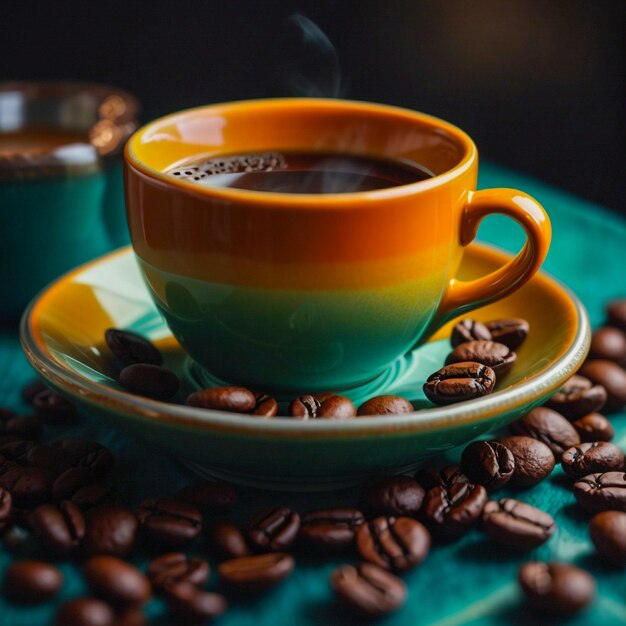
{"x":538,"y":84}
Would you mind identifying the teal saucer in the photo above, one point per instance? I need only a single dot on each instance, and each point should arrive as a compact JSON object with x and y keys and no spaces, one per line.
{"x":62,"y":335}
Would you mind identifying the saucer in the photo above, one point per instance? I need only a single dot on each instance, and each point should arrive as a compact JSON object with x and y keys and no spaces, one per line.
{"x":62,"y":334}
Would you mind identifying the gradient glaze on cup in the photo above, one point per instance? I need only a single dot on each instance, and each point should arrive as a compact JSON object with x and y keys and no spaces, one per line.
{"x":310,"y":292}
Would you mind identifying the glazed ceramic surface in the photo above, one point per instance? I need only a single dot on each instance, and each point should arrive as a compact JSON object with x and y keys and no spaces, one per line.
{"x":63,"y":206}
{"x":62,"y":335}
{"x":285,"y":291}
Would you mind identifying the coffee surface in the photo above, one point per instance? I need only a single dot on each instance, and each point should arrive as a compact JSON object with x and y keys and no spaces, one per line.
{"x":301,"y":172}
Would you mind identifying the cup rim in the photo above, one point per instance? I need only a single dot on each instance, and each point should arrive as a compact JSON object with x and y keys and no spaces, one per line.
{"x":271,"y":199}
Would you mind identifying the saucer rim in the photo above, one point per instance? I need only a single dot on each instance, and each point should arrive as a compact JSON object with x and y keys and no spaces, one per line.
{"x":122,"y":402}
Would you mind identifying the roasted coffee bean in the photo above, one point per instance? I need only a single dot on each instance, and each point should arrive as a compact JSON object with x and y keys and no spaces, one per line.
{"x":18,"y":539}
{"x":590,"y":458}
{"x":469,"y":330}
{"x":608,"y":534}
{"x":274,"y":529}
{"x":330,"y":529}
{"x":322,"y":406}
{"x":393,"y":495}
{"x":226,"y":540}
{"x":396,"y":543}
{"x":176,"y":567}
{"x":53,"y":408}
{"x":152,"y":381}
{"x":169,"y":522}
{"x":213,"y":497}
{"x":70,"y":481}
{"x":495,"y":355}
{"x":452,"y":511}
{"x":190,"y":605}
{"x":612,"y":377}
{"x":30,"y":390}
{"x":385,"y":405}
{"x":549,"y":427}
{"x":92,"y":495}
{"x":517,"y":524}
{"x":131,"y":617}
{"x":459,"y":382}
{"x":129,"y":348}
{"x":534,"y":460}
{"x":511,"y":332}
{"x":49,"y":458}
{"x":616,"y":313}
{"x":111,"y":529}
{"x":230,"y":399}
{"x":601,"y":492}
{"x":31,"y":582}
{"x":6,"y":506}
{"x":445,"y":477}
{"x":556,"y":588}
{"x":85,"y":612}
{"x":577,"y":397}
{"x":15,"y":449}
{"x":89,"y":454}
{"x":369,"y":590}
{"x":116,"y":581}
{"x":488,"y":463}
{"x":28,"y":485}
{"x":24,"y":427}
{"x":255,"y":573}
{"x":265,"y":406}
{"x":58,"y":528}
{"x":609,"y":343}
{"x":594,"y":427}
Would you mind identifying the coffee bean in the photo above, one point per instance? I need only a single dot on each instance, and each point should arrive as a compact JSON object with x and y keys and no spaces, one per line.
{"x":517,"y":524}
{"x":452,"y":511}
{"x":616,"y":313}
{"x":28,"y":485}
{"x":131,"y":617}
{"x":369,"y":590}
{"x":111,"y":529}
{"x":30,"y":390}
{"x":169,"y":522}
{"x":58,"y":528}
{"x":612,"y":377}
{"x":213,"y":497}
{"x":129,"y":348}
{"x":577,"y":397}
{"x":396,"y":543}
{"x":549,"y":427}
{"x":556,"y":588}
{"x":226,"y":540}
{"x":511,"y":332}
{"x":24,"y":426}
{"x":330,"y":529}
{"x":230,"y":399}
{"x":265,"y":406}
{"x":594,"y":427}
{"x":469,"y":330}
{"x":255,"y":573}
{"x":601,"y":492}
{"x":608,"y":534}
{"x":6,"y":506}
{"x":190,"y":605}
{"x":385,"y":405}
{"x":89,"y":454}
{"x":488,"y":463}
{"x":322,"y":406}
{"x":85,"y":612}
{"x":176,"y":567}
{"x":446,"y":477}
{"x":49,"y":458}
{"x":590,"y":458}
{"x":274,"y":529}
{"x":31,"y":582}
{"x":393,"y":495}
{"x":116,"y":581}
{"x":534,"y":461}
{"x":459,"y":382}
{"x":92,"y":495}
{"x":609,"y":343}
{"x":152,"y":381}
{"x":495,"y":355}
{"x":53,"y":408}
{"x":70,"y":481}
{"x":15,"y":449}
{"x":18,"y":539}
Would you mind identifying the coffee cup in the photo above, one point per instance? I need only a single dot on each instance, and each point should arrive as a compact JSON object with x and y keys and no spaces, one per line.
{"x":312,"y":292}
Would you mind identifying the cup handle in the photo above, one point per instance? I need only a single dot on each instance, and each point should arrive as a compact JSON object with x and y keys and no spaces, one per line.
{"x":462,"y":296}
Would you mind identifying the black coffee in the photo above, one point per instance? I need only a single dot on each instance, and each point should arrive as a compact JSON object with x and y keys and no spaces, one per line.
{"x":301,"y":172}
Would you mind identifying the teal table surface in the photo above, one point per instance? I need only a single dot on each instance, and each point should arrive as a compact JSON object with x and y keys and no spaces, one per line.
{"x":471,"y":581}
